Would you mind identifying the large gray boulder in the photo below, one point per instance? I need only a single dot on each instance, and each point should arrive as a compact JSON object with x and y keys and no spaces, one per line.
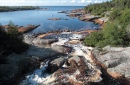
{"x":115,"y":59}
{"x":41,"y":52}
{"x":62,"y":49}
{"x":43,"y":42}
{"x":56,"y":64}
{"x":32,"y":40}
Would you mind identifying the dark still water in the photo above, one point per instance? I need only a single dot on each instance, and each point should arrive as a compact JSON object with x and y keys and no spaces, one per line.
{"x":40,"y":17}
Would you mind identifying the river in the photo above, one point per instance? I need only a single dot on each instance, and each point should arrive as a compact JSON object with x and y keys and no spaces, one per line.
{"x":40,"y":17}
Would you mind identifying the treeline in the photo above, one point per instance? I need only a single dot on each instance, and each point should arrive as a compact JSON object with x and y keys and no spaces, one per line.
{"x":116,"y":31}
{"x":11,"y":41}
{"x":17,"y":8}
{"x":100,"y":8}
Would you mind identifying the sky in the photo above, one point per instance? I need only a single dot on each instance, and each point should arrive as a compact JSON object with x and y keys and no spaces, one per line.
{"x":48,"y":2}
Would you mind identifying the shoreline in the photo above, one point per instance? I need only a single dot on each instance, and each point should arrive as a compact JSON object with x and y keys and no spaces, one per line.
{"x":17,"y":8}
{"x":81,"y":15}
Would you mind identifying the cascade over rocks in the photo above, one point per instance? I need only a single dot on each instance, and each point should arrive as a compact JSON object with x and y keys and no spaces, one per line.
{"x":65,"y":63}
{"x":78,"y":73}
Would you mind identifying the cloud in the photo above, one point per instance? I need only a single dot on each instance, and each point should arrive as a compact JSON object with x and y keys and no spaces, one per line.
{"x":72,"y":1}
{"x":97,"y":1}
{"x":56,"y":1}
{"x":82,"y":1}
{"x":47,"y":2}
{"x":63,"y":1}
{"x":89,"y":1}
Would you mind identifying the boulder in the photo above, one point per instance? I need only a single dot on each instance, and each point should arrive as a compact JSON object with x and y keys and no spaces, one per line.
{"x":62,"y":49}
{"x":75,"y":58}
{"x":41,"y":52}
{"x":43,"y":42}
{"x":56,"y":64}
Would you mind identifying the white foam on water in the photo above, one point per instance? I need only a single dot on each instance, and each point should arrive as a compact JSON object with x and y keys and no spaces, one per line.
{"x":61,"y":41}
{"x":39,"y":76}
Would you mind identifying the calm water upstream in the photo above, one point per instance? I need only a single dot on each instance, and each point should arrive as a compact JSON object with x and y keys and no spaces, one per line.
{"x":41,"y":17}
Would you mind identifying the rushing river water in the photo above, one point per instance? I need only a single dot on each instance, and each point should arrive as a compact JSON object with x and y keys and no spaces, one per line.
{"x":40,"y":17}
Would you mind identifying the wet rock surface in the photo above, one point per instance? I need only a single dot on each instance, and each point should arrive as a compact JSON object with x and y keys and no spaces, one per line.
{"x":78,"y":73}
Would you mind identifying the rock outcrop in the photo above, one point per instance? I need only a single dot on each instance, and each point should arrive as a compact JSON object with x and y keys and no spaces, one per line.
{"x":78,"y":73}
{"x":43,"y":42}
{"x":23,"y":29}
{"x":54,"y":19}
{"x":74,"y":15}
{"x":36,"y":41}
{"x":27,"y":28}
{"x":41,"y":52}
{"x":88,"y":17}
{"x":116,"y":60}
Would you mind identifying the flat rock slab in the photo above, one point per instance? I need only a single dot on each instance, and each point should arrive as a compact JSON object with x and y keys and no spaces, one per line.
{"x":41,"y":52}
{"x":116,"y":60}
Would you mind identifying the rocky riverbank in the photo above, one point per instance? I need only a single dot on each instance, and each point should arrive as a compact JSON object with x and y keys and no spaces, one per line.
{"x":81,"y":15}
{"x":72,"y":63}
{"x":61,"y":58}
{"x":57,"y":67}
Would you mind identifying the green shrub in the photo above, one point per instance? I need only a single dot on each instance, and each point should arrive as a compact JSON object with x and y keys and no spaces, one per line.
{"x":114,"y":14}
{"x":11,"y":41}
{"x":93,"y":39}
{"x":112,"y":34}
